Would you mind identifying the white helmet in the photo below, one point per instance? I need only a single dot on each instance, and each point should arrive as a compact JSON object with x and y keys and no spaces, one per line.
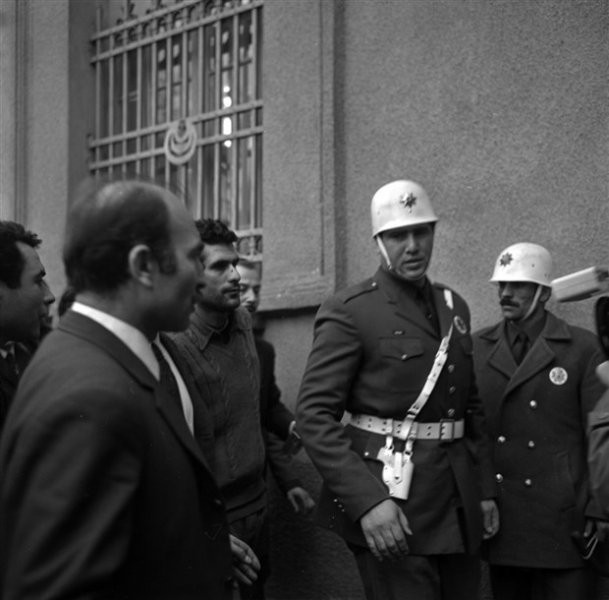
{"x":400,"y":204}
{"x":524,"y":262}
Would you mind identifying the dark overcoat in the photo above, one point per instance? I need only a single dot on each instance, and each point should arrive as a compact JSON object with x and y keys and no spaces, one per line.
{"x":372,"y":353}
{"x":104,"y":492}
{"x":537,"y":415}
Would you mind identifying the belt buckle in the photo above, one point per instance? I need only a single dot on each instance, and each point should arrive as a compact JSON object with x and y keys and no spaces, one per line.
{"x":447,"y":430}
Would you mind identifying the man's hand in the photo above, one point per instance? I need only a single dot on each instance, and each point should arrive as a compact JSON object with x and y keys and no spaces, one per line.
{"x":385,"y":527}
{"x":490,"y":518}
{"x":600,"y":527}
{"x":245,"y":563}
{"x":300,"y":500}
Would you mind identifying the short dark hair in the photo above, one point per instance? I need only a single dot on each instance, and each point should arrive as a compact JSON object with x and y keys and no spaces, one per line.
{"x":11,"y":258}
{"x":105,"y":223}
{"x":215,"y":231}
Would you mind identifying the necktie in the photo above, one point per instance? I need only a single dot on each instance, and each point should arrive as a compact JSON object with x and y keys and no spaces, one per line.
{"x":520,"y":347}
{"x":167,"y":380}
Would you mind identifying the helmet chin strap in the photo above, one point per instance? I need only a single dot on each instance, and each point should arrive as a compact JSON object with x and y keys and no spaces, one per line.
{"x":533,"y":303}
{"x":383,"y":251}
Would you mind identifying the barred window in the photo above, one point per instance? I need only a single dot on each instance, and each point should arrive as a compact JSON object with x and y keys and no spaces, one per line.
{"x":179,"y":99}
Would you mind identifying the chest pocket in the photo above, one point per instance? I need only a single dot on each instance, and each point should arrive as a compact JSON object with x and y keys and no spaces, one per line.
{"x":400,"y":348}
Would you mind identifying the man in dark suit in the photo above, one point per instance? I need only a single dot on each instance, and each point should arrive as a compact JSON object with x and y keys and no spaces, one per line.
{"x":408,"y":481}
{"x":25,"y":299}
{"x":536,"y":376}
{"x":104,"y":491}
{"x":277,"y":420}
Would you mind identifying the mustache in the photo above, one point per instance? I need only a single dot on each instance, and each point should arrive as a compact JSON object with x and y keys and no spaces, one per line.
{"x":508,"y":303}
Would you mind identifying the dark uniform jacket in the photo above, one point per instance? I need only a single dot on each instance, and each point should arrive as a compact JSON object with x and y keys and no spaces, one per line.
{"x":104,"y":492}
{"x":537,"y":414}
{"x":598,"y":454}
{"x":372,"y":354}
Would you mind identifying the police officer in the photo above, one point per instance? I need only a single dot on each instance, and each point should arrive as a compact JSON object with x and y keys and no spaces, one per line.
{"x":404,"y":480}
{"x":536,"y":378}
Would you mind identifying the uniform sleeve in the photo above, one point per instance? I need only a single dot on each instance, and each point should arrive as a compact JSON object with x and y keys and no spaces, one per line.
{"x":331,"y":369}
{"x":477,"y":431}
{"x":68,"y":479}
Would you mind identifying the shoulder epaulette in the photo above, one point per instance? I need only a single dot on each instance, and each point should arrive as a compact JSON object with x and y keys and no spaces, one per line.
{"x":364,"y":287}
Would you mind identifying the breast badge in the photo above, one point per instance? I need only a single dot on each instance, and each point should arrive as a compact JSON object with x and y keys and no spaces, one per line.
{"x":558,"y":376}
{"x":460,"y":325}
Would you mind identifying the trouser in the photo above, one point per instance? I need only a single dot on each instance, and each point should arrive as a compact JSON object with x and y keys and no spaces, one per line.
{"x":254,"y":530}
{"x":439,"y":577}
{"x":519,"y":583}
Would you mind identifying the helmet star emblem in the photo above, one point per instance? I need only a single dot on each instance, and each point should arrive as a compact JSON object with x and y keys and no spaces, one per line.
{"x":505,"y":259}
{"x":408,"y":200}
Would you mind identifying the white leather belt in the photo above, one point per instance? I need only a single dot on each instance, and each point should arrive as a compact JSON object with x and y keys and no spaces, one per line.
{"x":445,"y":430}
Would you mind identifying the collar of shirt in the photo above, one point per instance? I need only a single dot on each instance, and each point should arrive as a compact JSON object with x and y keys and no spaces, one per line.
{"x":8,"y":348}
{"x":237,"y":321}
{"x":532,"y":329}
{"x":132,"y":337}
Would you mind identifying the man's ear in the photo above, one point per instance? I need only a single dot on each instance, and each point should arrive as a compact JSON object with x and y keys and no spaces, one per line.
{"x":546,"y":292}
{"x":142,"y":265}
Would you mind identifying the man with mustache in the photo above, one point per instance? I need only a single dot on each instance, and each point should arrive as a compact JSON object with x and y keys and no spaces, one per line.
{"x":220,"y":356}
{"x":25,"y":300}
{"x":536,"y":376}
{"x":408,"y":481}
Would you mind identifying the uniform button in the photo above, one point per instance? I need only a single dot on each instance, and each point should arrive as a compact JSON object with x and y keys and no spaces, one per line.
{"x":533,"y":404}
{"x":452,"y":389}
{"x":528,"y":482}
{"x":531,"y":444}
{"x":451,"y":412}
{"x":501,"y":439}
{"x":404,"y":356}
{"x":217,"y":502}
{"x":366,"y":453}
{"x":451,"y":368}
{"x":374,"y":284}
{"x":499,"y":478}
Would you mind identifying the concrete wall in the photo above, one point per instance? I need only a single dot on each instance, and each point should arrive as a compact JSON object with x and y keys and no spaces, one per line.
{"x":498,"y":108}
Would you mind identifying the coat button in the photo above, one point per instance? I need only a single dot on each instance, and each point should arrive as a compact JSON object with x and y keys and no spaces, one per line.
{"x":217,"y":502}
{"x":499,"y":478}
{"x":452,"y":389}
{"x":451,"y":368}
{"x":528,"y":482}
{"x":501,"y":439}
{"x":374,"y":284}
{"x":404,"y":356}
{"x":531,"y":444}
{"x":451,"y":412}
{"x":533,"y":404}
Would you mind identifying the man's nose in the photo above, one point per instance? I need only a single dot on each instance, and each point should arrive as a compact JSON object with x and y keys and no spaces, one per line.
{"x":233,"y":274}
{"x":49,"y":297}
{"x":411,"y":243}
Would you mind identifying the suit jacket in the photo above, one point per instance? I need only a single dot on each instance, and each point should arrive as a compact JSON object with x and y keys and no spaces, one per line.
{"x":372,"y":352}
{"x":104,"y":491}
{"x":537,"y":414}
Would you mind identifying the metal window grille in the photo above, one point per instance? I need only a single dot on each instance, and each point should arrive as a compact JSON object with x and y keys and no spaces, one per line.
{"x":179,"y":99}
